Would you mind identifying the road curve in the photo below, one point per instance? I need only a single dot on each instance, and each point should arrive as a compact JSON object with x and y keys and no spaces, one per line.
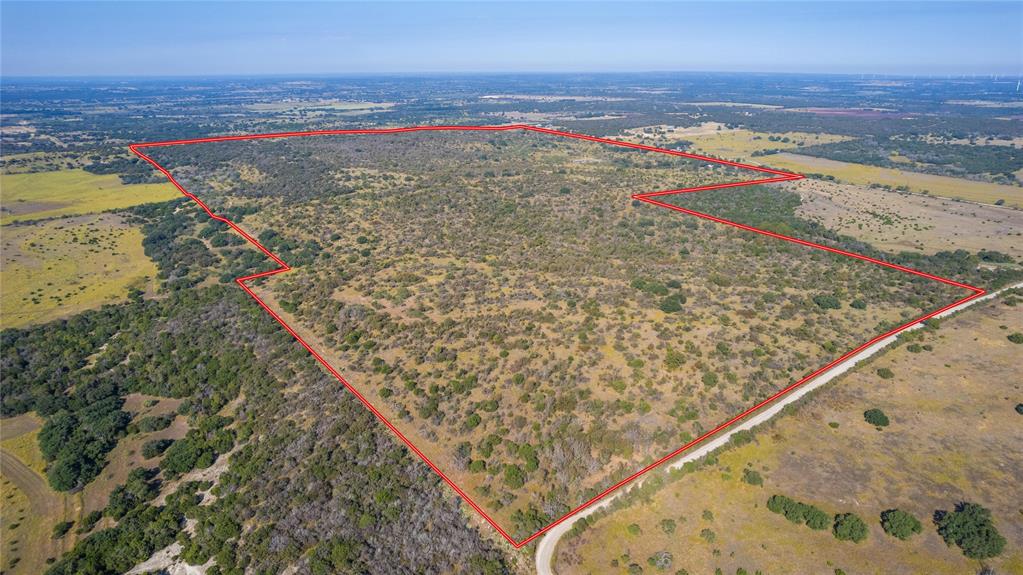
{"x":549,"y":542}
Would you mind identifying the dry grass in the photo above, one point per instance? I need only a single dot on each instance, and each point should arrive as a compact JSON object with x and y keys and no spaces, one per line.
{"x":954,"y":437}
{"x":60,"y":267}
{"x":944,"y":186}
{"x":898,"y":221}
{"x":29,"y":508}
{"x":41,"y":195}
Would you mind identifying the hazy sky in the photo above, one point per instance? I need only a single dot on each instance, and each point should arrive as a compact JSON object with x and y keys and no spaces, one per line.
{"x":162,"y":38}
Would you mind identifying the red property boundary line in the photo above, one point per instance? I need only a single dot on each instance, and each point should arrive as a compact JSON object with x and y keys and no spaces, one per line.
{"x":775,"y":176}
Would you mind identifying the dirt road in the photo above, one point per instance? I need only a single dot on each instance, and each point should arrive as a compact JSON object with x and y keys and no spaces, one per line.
{"x":548,"y":544}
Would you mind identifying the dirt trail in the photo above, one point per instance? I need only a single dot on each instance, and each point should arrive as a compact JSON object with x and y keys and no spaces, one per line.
{"x":548,"y":544}
{"x":44,"y":505}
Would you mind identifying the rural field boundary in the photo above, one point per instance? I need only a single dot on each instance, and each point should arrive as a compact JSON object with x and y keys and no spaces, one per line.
{"x":649,"y":197}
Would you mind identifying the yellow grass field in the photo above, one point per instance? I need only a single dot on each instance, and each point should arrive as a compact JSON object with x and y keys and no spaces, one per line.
{"x":29,"y":508}
{"x":72,"y":192}
{"x":59,"y":267}
{"x":825,"y":454}
{"x":26,"y":448}
{"x":983,"y":192}
{"x":741,"y":144}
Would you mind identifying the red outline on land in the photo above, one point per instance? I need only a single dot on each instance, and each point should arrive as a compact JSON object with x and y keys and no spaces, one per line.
{"x":775,"y":176}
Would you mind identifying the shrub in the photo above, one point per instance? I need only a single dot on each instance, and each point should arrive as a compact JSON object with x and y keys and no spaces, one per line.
{"x":668,"y":526}
{"x":634,"y":529}
{"x":885,"y":373}
{"x":155,"y":422}
{"x":798,"y":512}
{"x":710,"y":379}
{"x":817,"y":519}
{"x":61,"y":529}
{"x":849,"y":527}
{"x":89,"y":521}
{"x":1015,"y":337}
{"x":661,"y":560}
{"x":858,"y":304}
{"x":752,"y":477}
{"x":898,"y":523}
{"x":970,"y":527}
{"x":876,"y":417}
{"x":826,"y":301}
{"x":513,"y":476}
{"x":473,"y":421}
{"x":672,"y":303}
{"x":155,"y":447}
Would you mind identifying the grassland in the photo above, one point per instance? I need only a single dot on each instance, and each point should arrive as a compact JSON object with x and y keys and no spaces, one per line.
{"x":962,"y":372}
{"x":30,"y":508}
{"x":39,"y":195}
{"x":781,"y":151}
{"x":548,"y":335}
{"x":944,"y":186}
{"x":896,"y":222}
{"x":58,"y":267}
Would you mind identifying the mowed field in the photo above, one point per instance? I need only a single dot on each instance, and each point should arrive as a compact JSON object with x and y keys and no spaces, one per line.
{"x":54,"y":268}
{"x":953,"y":437}
{"x":41,"y":195}
{"x":30,"y":507}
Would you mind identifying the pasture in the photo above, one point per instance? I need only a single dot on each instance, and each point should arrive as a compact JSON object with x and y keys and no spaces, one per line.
{"x":39,"y":195}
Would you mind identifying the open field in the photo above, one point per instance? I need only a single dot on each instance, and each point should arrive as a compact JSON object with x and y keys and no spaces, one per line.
{"x":739,"y":144}
{"x":896,"y":222}
{"x":59,"y":267}
{"x":918,"y":463}
{"x":29,"y":508}
{"x":533,"y":342}
{"x":41,"y":195}
{"x":974,"y":191}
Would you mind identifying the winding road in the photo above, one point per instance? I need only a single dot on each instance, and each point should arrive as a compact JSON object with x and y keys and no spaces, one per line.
{"x":545,"y":549}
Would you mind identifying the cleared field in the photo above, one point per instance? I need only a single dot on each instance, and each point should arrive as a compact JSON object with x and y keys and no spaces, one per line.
{"x":28,"y":507}
{"x":55,"y":268}
{"x":983,"y":192}
{"x":896,"y":222}
{"x":712,"y":518}
{"x":71,"y":192}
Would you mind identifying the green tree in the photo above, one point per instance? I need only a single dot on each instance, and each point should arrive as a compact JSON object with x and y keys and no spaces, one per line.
{"x":970,"y":527}
{"x":513,"y":476}
{"x":826,"y":301}
{"x":849,"y":527}
{"x":876,"y":417}
{"x":901,"y":524}
{"x":752,"y":477}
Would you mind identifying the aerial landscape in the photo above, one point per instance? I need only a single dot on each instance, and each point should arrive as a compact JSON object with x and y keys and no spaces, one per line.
{"x":415,"y":312}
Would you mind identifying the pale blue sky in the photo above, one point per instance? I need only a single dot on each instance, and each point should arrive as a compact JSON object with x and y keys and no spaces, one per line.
{"x":163,"y":38}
